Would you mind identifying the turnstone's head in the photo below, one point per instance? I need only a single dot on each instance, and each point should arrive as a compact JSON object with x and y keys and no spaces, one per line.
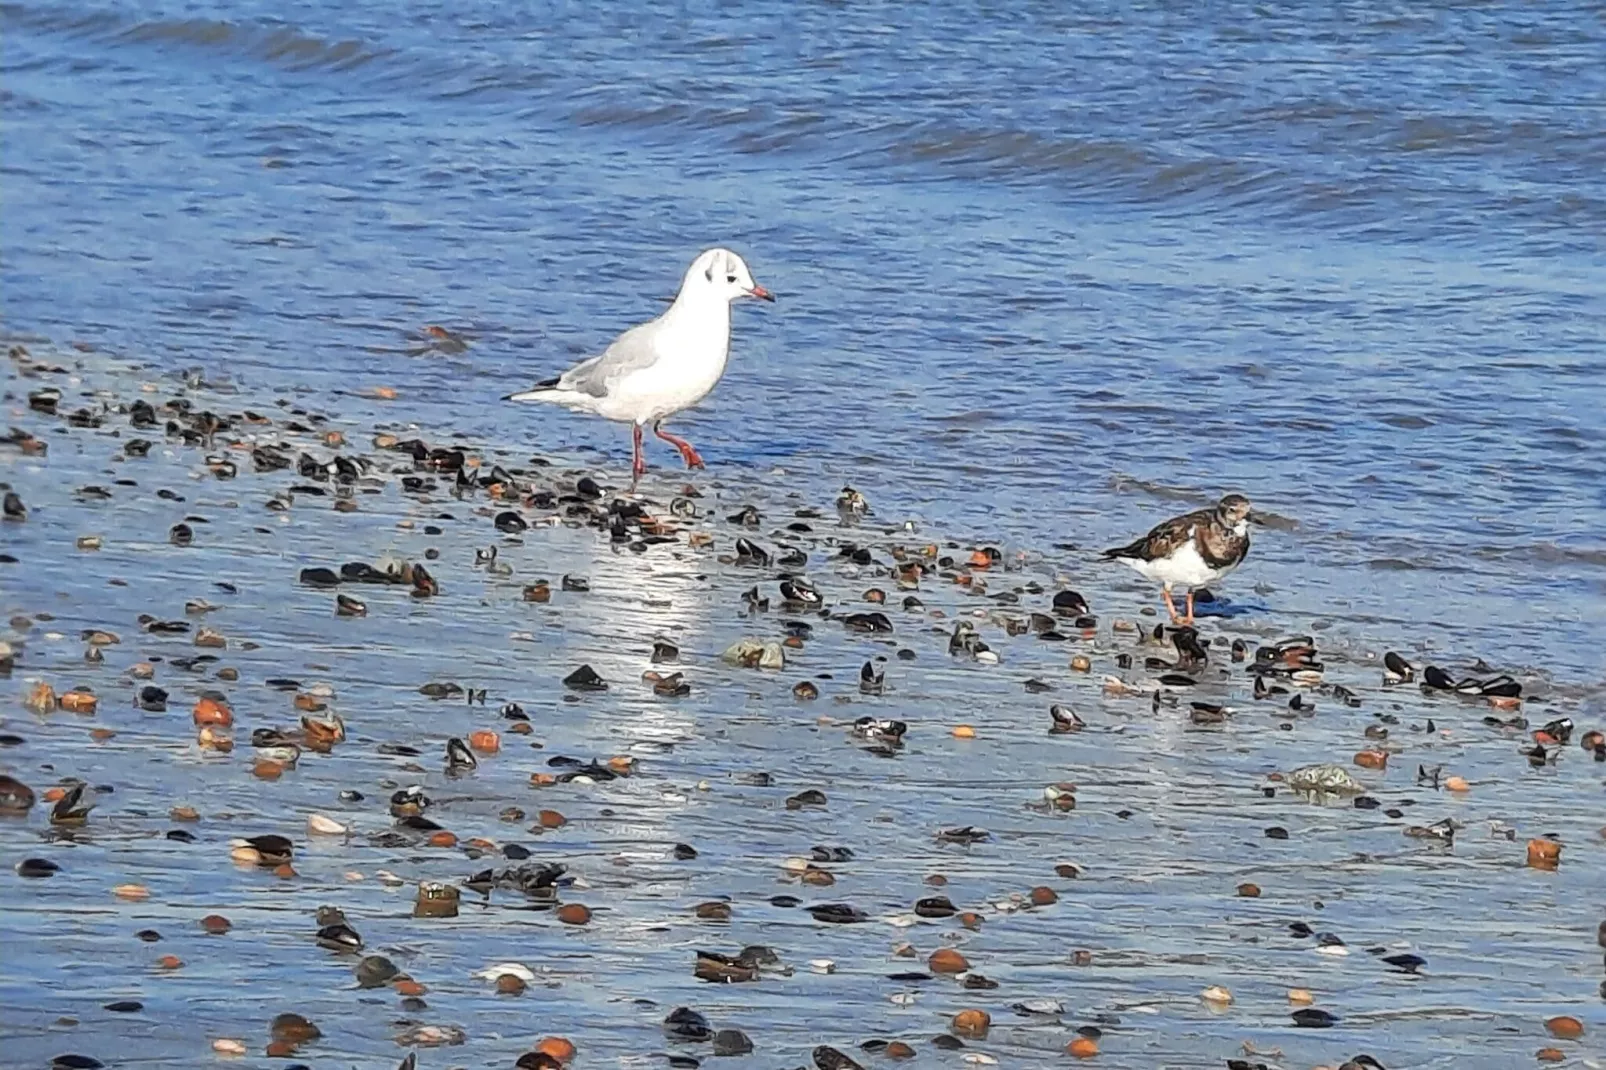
{"x":1234,"y":509}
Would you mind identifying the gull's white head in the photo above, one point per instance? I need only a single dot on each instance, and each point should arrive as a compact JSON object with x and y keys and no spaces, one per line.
{"x":720,"y":273}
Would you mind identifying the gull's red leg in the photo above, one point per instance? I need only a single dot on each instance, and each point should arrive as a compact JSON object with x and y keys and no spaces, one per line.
{"x":638,"y":459}
{"x":686,"y":451}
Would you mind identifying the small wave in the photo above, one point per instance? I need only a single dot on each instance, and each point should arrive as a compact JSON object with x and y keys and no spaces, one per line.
{"x":279,"y":44}
{"x":1545,"y":553}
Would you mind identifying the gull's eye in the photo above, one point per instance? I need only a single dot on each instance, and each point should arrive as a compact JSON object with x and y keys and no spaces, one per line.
{"x":730,"y":278}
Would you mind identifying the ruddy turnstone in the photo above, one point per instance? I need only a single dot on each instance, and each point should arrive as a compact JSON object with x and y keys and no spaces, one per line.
{"x":1192,"y":550}
{"x":663,"y":366}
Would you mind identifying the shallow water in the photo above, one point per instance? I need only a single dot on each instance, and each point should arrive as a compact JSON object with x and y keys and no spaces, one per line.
{"x":1171,"y":816}
{"x":1051,"y":270}
{"x":1045,"y":278}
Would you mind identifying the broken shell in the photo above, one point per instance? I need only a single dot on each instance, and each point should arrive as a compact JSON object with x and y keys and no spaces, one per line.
{"x":325,"y":826}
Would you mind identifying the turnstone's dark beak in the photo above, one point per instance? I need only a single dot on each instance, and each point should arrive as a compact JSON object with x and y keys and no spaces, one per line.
{"x":760,"y":293}
{"x":1257,"y":519}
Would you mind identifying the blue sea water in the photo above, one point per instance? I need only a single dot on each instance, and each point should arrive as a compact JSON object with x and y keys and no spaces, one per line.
{"x":1046,"y":271}
{"x":1351,"y":265}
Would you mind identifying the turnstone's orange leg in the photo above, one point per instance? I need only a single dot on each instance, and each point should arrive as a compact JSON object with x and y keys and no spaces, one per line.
{"x":1171,"y":607}
{"x":1188,"y":620}
{"x":687,"y":453}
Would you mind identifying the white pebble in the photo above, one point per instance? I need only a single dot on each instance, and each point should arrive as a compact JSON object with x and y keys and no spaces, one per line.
{"x":324,"y":826}
{"x":903,"y":999}
{"x":822,"y":965}
{"x":228,"y":1046}
{"x":517,"y":969}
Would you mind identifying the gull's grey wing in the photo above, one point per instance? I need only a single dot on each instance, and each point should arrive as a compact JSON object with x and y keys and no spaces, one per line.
{"x":631,"y":352}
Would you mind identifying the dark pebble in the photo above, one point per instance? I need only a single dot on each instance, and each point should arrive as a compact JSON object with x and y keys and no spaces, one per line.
{"x":585,"y":678}
{"x":126,"y":1006}
{"x":37,"y":868}
{"x":683,"y":1023}
{"x":375,"y":971}
{"x":1276,"y":832}
{"x":829,"y":1058}
{"x":1313,"y":1018}
{"x":732,"y":1042}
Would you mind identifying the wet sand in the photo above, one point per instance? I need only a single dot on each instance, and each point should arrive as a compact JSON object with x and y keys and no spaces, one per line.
{"x":1175,"y":810}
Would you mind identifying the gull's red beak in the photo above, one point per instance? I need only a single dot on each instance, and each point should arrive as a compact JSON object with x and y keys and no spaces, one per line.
{"x":760,"y":293}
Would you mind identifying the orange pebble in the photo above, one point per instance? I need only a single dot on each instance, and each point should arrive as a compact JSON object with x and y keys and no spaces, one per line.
{"x":265,"y":769}
{"x":52,"y":794}
{"x":211,"y":711}
{"x":899,"y":1050}
{"x":101,"y":735}
{"x":77,"y":702}
{"x":216,"y":924}
{"x":1550,"y":1055}
{"x":1249,"y":890}
{"x":485,"y":741}
{"x":1372,"y":759}
{"x":1083,"y":1047}
{"x":1456,"y":783}
{"x":521,"y":728}
{"x":622,"y":764}
{"x":1544,"y":854}
{"x":284,"y":870}
{"x":560,"y":1048}
{"x":551,"y":819}
{"x":406,"y":986}
{"x":970,"y":919}
{"x":964,"y":731}
{"x":1043,"y":895}
{"x":574,"y":914}
{"x":1565,"y":1026}
{"x":979,"y":559}
{"x":542,"y":780}
{"x":1504,"y":702}
{"x":169,"y":962}
{"x":281,"y":1049}
{"x":971,"y":1022}
{"x":947,"y":960}
{"x":442,"y":839}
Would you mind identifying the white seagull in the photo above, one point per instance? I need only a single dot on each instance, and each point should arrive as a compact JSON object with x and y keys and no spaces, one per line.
{"x":665,"y":365}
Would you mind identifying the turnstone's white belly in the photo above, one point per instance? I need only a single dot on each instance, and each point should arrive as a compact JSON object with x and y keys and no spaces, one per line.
{"x":1184,"y":567}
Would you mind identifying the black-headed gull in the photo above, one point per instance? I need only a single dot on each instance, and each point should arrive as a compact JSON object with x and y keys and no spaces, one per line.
{"x":1193,"y":550}
{"x":665,"y":365}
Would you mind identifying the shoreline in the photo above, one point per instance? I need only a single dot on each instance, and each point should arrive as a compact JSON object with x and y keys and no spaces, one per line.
{"x":1168,"y":812}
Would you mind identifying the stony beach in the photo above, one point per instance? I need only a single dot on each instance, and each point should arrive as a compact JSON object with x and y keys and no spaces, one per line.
{"x":715,"y":773}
